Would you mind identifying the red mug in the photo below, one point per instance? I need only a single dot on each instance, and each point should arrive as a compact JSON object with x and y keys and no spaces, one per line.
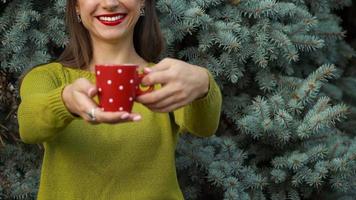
{"x":118,"y":86}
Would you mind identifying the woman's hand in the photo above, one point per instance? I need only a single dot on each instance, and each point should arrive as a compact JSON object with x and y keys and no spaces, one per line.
{"x":77,"y":97}
{"x":182,"y":83}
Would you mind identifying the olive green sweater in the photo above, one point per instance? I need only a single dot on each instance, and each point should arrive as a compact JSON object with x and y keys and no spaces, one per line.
{"x":134,"y":160}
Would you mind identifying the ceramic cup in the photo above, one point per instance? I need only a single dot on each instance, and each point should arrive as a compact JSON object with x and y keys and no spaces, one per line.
{"x":118,"y":86}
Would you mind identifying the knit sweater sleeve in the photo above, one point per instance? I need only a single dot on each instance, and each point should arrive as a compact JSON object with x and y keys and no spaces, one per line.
{"x":42,"y":113}
{"x":202,"y":116}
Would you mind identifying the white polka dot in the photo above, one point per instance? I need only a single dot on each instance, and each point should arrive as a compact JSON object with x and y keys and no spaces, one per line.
{"x":109,"y":82}
{"x":119,"y":71}
{"x":136,"y":87}
{"x":121,"y":109}
{"x":121,"y":87}
{"x":111,"y":100}
{"x":100,"y":89}
{"x":131,"y":81}
{"x":130,"y":98}
{"x":98,"y":72}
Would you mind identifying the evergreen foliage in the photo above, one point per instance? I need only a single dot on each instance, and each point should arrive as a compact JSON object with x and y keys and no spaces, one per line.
{"x":285,"y":128}
{"x":20,"y":172}
{"x":273,"y":59}
{"x":30,"y":36}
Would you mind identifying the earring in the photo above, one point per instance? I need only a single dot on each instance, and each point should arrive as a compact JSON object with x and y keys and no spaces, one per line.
{"x":142,"y":11}
{"x":79,"y":18}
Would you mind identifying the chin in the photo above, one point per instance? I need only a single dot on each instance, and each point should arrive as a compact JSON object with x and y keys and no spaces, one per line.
{"x":113,"y":37}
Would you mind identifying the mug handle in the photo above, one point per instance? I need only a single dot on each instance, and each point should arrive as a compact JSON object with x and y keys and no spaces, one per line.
{"x":139,"y":91}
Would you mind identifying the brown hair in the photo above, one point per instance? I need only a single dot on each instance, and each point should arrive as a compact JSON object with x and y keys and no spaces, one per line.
{"x":148,"y":39}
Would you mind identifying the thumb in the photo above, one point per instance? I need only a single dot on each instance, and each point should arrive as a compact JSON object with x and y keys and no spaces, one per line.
{"x":84,"y":86}
{"x":92,"y":91}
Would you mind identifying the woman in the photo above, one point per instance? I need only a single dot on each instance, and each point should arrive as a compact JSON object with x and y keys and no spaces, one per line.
{"x":125,"y":155}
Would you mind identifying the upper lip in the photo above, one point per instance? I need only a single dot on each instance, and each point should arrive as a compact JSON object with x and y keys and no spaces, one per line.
{"x":111,"y":15}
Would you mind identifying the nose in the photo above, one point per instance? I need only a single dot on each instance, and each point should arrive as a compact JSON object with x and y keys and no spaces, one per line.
{"x":110,"y":5}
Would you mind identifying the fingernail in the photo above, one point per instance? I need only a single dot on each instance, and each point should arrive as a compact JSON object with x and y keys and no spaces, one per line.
{"x":148,"y":69}
{"x":91,"y":90}
{"x":125,"y":116}
{"x":137,"y":118}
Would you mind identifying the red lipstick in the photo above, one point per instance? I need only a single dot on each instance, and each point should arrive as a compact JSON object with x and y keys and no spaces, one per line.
{"x":112,"y":19}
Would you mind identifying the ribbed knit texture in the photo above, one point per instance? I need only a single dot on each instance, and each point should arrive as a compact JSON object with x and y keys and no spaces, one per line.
{"x":134,"y":160}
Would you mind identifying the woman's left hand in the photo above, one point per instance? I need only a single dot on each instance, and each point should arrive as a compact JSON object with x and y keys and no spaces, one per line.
{"x":182,"y":83}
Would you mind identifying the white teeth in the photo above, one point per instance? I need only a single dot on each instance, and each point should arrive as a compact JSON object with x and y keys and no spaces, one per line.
{"x":111,"y":19}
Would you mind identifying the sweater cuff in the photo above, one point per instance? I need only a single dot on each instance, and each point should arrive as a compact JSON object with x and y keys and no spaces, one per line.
{"x":57,"y":106}
{"x":213,"y":91}
{"x":195,"y":113}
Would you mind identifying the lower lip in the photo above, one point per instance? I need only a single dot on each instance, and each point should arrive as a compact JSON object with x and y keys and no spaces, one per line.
{"x":112,"y":23}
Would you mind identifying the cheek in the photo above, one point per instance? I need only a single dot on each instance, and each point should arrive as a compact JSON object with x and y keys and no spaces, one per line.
{"x":87,"y":7}
{"x":132,"y":5}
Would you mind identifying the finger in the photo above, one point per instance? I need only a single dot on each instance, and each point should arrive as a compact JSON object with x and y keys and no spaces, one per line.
{"x":157,"y":68}
{"x":92,"y":92}
{"x":85,"y":86}
{"x":135,"y":117}
{"x":87,"y":118}
{"x":148,"y":70}
{"x":84,"y":106}
{"x":83,"y":101}
{"x":100,"y":115}
{"x":158,"y":77}
{"x":165,"y":102}
{"x":170,"y":108}
{"x":112,"y":117}
{"x":161,"y":66}
{"x":157,"y":95}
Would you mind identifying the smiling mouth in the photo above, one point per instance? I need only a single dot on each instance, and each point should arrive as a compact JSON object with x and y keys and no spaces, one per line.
{"x":111,"y":19}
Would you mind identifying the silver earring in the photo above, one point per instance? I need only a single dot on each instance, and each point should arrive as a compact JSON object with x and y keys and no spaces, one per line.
{"x":79,"y":18}
{"x":142,"y":11}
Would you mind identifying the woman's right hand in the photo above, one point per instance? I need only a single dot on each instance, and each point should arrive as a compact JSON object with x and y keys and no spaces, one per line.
{"x":77,"y":97}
